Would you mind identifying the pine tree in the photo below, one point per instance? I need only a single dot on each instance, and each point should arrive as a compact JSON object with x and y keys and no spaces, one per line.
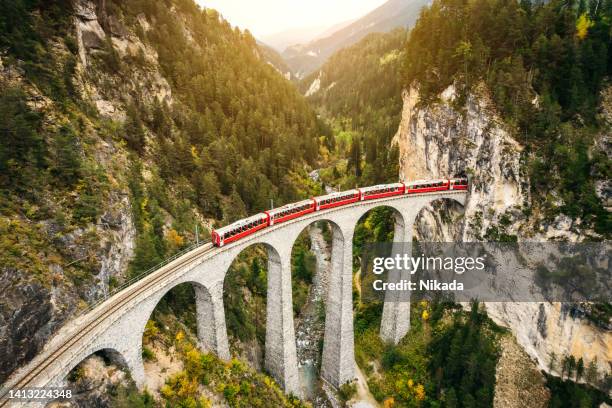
{"x":134,"y":131}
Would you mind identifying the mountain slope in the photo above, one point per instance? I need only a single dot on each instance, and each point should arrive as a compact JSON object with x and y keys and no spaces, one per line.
{"x":304,"y":59}
{"x":127,"y":124}
{"x":359,"y":89}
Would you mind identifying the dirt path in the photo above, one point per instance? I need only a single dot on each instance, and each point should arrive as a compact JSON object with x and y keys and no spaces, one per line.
{"x":363,"y":399}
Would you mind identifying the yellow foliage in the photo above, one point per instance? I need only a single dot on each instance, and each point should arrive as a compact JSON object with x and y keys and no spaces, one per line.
{"x":166,"y":391}
{"x":419,"y":392}
{"x":174,"y":238}
{"x":410,"y":383}
{"x":151,"y":331}
{"x":187,"y":387}
{"x":143,"y":204}
{"x":425,"y":315}
{"x":582,"y":26}
{"x":180,"y":335}
{"x":389,"y":402}
{"x":193,"y":362}
{"x":267,"y":381}
{"x":423,"y":303}
{"x":220,"y":388}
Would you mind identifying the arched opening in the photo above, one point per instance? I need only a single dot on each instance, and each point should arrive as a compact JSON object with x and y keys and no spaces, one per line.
{"x":310,"y":272}
{"x":244,"y":302}
{"x":439,"y":221}
{"x":374,"y":233}
{"x":97,"y":379}
{"x":171,"y":332}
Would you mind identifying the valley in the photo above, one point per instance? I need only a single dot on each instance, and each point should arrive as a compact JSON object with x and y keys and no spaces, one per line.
{"x":132,"y":129}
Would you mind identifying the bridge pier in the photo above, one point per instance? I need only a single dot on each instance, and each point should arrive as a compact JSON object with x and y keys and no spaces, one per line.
{"x":281,"y":354}
{"x":395,"y":322}
{"x":212,"y":333}
{"x":338,"y":361}
{"x":133,"y":360}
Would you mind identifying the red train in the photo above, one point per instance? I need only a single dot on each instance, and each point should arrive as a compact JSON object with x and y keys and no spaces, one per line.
{"x":247,"y":226}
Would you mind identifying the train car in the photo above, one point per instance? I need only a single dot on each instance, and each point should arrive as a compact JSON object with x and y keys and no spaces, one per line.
{"x":290,"y":211}
{"x":239,"y":229}
{"x":458,"y":184}
{"x":336,"y":199}
{"x":427,"y":186}
{"x":381,"y":191}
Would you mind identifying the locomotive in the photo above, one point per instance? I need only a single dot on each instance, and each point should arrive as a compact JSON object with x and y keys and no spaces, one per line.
{"x":250,"y":225}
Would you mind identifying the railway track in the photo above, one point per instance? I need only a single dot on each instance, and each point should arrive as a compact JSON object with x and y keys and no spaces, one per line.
{"x":115,"y":305}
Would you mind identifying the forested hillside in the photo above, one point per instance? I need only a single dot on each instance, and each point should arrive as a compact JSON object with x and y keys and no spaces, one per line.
{"x":124,"y":125}
{"x":358,"y":91}
{"x":545,"y":65}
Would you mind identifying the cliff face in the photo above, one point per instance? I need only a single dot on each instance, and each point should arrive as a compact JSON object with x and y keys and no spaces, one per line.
{"x":442,"y":140}
{"x":36,"y":307}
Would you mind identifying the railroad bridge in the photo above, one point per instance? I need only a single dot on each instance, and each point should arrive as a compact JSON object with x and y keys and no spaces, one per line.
{"x":117,"y":325}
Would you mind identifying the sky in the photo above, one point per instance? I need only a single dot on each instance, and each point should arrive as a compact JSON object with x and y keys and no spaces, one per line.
{"x":265,"y":17}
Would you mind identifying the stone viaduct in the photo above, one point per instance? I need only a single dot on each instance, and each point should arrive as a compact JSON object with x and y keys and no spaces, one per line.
{"x":117,"y":325}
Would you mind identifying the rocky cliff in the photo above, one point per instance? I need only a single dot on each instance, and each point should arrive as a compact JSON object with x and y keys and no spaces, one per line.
{"x":33,"y":310}
{"x":446,"y":138}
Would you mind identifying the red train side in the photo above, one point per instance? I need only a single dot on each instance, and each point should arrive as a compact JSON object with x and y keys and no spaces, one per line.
{"x":382,"y":191}
{"x":248,"y":226}
{"x":337,"y":199}
{"x":427,"y":186}
{"x":239,"y":229}
{"x":290,"y":211}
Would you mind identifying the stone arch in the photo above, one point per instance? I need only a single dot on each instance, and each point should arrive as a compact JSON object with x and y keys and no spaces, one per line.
{"x":279,"y":345}
{"x":437,"y":219}
{"x":395,"y":318}
{"x":210,"y":321}
{"x":109,"y":354}
{"x":309,"y":359}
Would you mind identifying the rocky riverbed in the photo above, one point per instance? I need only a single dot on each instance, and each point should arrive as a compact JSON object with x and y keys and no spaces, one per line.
{"x":310,"y":326}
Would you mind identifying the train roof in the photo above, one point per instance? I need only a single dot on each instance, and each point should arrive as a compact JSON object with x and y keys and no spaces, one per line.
{"x":420,"y":182}
{"x":337,"y":194}
{"x":380,"y":186}
{"x":241,"y":222}
{"x":289,"y":206}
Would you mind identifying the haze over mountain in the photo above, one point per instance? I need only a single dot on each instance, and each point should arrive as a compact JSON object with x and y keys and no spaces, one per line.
{"x":281,"y":40}
{"x":302,"y":35}
{"x":305,"y":58}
